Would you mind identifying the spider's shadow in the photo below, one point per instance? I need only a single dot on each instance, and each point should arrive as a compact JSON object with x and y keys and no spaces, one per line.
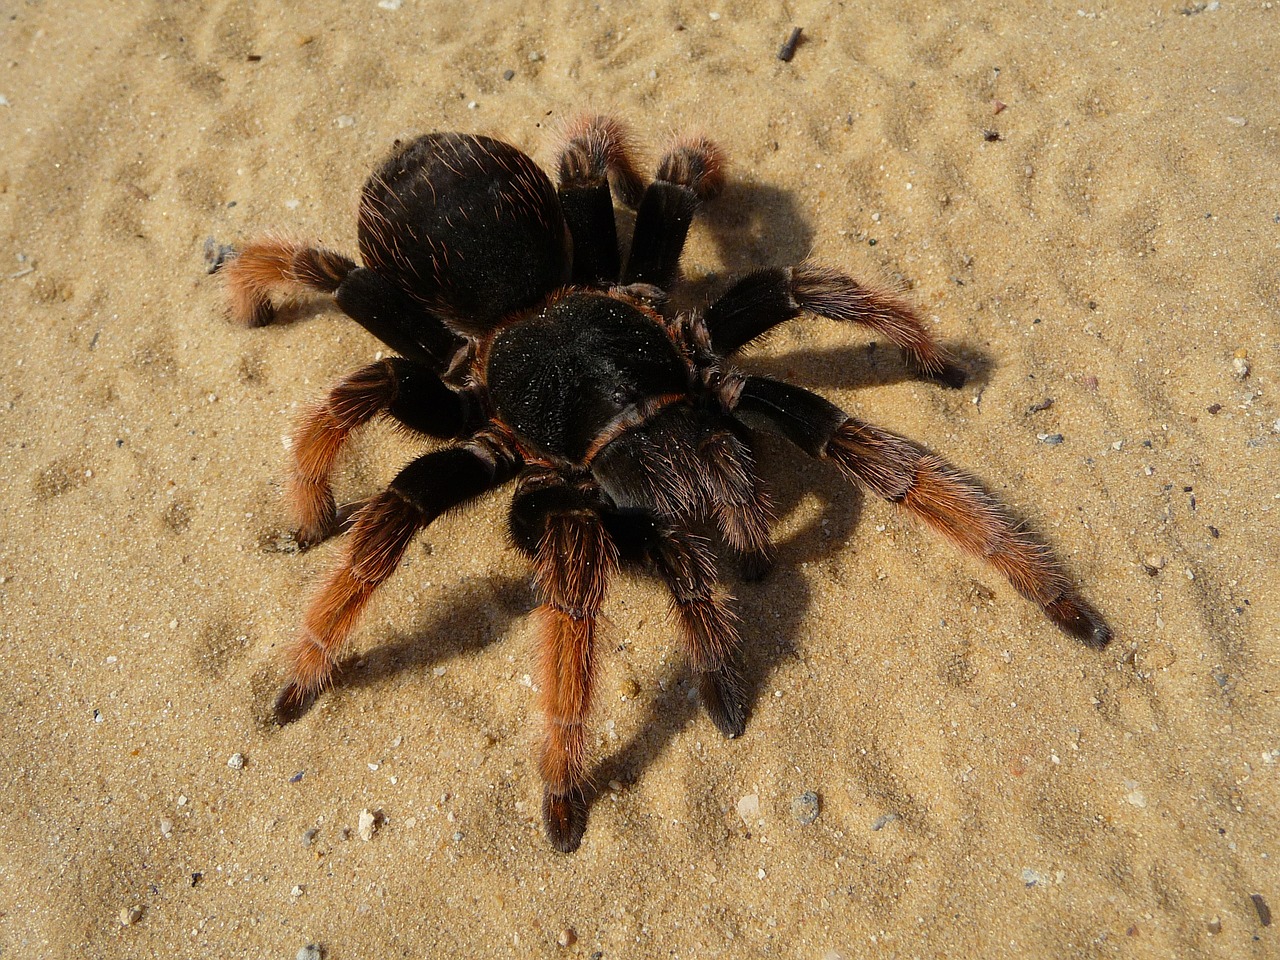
{"x":469,"y":622}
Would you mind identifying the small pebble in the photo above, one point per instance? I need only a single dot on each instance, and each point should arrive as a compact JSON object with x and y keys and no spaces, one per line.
{"x":130,"y":915}
{"x":805,"y":808}
{"x":1051,"y":439}
{"x":1215,"y":926}
{"x":367,"y":825}
{"x":1033,"y":878}
{"x":296,"y":891}
{"x":1240,"y":365}
{"x":309,"y":836}
{"x":567,"y":938}
{"x":312,"y":951}
{"x":166,"y":827}
{"x":390,"y":4}
{"x":884,"y":820}
{"x":714,"y":17}
{"x":1261,"y":908}
{"x":749,"y":809}
{"x":236,"y":761}
{"x":1044,"y":404}
{"x":508,"y":74}
{"x":346,"y":120}
{"x":1153,"y":563}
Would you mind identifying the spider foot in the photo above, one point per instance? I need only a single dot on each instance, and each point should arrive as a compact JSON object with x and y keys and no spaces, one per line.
{"x":724,"y":698}
{"x":1080,"y":620}
{"x":291,"y":703}
{"x":564,"y":817}
{"x":330,"y":524}
{"x":949,"y":375}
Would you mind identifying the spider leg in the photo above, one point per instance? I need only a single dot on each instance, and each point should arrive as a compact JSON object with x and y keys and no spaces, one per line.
{"x":594,"y":155}
{"x":685,"y":463}
{"x":274,"y":263}
{"x":742,"y":507}
{"x":384,"y":526}
{"x":763,"y":299}
{"x":410,"y":393}
{"x":380,"y":307}
{"x":691,"y":171}
{"x":905,"y":473}
{"x":708,"y":625}
{"x":574,"y":557}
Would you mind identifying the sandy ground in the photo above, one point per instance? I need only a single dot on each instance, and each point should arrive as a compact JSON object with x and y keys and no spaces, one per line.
{"x":987,"y":787}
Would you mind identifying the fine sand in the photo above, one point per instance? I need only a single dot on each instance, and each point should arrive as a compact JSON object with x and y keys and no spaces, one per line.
{"x":1082,"y":200}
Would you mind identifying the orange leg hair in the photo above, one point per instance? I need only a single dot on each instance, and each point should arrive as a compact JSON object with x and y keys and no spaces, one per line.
{"x":320,"y":436}
{"x":413,"y":395}
{"x":956,"y":506}
{"x":274,"y":263}
{"x":595,"y":146}
{"x":382,"y":531}
{"x":573,"y":564}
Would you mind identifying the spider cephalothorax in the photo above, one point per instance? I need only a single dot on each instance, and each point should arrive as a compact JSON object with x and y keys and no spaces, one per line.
{"x":525,"y":341}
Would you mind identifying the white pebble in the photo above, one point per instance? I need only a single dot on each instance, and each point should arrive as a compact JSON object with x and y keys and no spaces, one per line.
{"x":749,"y":808}
{"x":236,"y":761}
{"x":130,"y":915}
{"x":367,"y":825}
{"x":714,"y":16}
{"x":310,"y":952}
{"x":390,"y":4}
{"x":346,"y":120}
{"x":166,"y":827}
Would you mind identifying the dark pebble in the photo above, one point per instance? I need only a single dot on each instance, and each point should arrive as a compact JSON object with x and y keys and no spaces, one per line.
{"x":788,"y":49}
{"x":806,"y":807}
{"x":215,"y":254}
{"x":1264,"y":911}
{"x":508,"y":74}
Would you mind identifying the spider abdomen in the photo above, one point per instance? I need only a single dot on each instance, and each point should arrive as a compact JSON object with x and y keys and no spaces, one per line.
{"x":563,"y":376}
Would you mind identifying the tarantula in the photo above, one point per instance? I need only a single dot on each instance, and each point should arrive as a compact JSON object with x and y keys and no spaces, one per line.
{"x":524,"y":339}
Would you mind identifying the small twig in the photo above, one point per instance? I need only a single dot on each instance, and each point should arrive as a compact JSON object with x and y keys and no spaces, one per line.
{"x":788,"y":49}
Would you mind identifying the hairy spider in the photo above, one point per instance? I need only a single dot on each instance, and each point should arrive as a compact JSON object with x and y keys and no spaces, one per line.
{"x":524,"y":340}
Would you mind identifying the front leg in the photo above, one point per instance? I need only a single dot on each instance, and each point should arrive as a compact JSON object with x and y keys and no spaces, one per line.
{"x":574,"y":557}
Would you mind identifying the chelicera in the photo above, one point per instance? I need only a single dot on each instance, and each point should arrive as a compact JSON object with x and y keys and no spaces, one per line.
{"x":545,"y":361}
